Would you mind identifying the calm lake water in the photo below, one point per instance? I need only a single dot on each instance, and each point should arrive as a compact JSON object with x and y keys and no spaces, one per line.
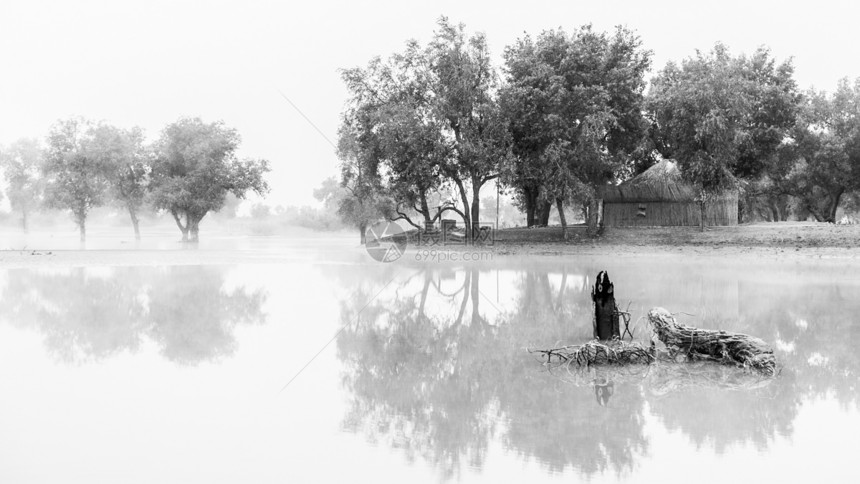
{"x":417,"y":372}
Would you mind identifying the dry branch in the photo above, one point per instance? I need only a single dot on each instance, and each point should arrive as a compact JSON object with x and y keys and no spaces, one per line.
{"x":721,"y":346}
{"x":614,"y":352}
{"x":682,"y":343}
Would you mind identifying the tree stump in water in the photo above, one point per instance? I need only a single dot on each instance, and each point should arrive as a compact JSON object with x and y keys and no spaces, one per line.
{"x":605,"y":310}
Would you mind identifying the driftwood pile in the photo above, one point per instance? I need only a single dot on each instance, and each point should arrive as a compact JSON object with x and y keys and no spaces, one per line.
{"x":595,"y":352}
{"x":680,"y":341}
{"x":702,"y":344}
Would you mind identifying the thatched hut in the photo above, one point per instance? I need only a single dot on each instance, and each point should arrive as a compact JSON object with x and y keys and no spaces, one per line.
{"x":660,"y":197}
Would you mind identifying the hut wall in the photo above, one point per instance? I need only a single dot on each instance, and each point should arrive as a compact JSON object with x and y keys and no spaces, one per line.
{"x":721,"y":211}
{"x":650,"y":214}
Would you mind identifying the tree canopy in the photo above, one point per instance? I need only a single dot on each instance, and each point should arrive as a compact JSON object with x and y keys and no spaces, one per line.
{"x":21,"y":163}
{"x":194,"y":168}
{"x":575,"y":108}
{"x":570,"y":114}
{"x":125,"y":159}
{"x":820,"y":163}
{"x":420,"y":120}
{"x":75,"y":177}
{"x":722,"y":117}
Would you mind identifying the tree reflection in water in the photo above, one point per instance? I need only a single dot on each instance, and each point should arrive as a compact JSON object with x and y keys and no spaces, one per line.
{"x":441,"y":388}
{"x":431,"y":374}
{"x":88,"y":313}
{"x":413,"y":384}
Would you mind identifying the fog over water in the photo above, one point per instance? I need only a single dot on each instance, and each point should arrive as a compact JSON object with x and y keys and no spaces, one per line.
{"x":166,"y":372}
{"x":184,"y":185}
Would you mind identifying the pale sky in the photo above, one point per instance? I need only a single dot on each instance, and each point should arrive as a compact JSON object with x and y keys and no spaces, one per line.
{"x":147,"y":63}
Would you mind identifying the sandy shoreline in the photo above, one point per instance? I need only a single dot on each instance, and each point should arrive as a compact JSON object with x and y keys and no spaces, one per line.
{"x":357,"y":255}
{"x":774,"y":241}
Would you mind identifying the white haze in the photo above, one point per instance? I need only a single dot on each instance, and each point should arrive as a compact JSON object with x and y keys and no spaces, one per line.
{"x":147,"y":63}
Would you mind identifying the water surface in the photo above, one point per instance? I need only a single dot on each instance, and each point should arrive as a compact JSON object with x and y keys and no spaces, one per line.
{"x":416,"y":372}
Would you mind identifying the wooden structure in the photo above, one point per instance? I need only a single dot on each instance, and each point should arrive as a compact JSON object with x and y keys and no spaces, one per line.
{"x":659,"y":197}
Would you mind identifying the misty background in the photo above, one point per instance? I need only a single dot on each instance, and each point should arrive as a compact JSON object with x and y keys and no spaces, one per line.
{"x":271,"y":71}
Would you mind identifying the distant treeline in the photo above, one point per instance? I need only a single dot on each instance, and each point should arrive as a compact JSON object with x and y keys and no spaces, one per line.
{"x":188,"y":172}
{"x":268,"y":220}
{"x":568,"y":113}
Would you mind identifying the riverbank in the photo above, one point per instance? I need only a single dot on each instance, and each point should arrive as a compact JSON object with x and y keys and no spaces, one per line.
{"x":791,"y":235}
{"x":787,"y":240}
{"x":808,"y":237}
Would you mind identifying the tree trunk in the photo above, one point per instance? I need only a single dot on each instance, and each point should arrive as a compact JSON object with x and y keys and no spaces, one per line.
{"x":545,"y":209}
{"x":831,"y":212}
{"x":530,"y":213}
{"x":476,"y":210}
{"x":134,"y":221}
{"x":530,"y":198}
{"x":362,"y":228}
{"x":702,"y":215}
{"x":814,"y":211}
{"x":194,"y":229}
{"x":782,"y":205}
{"x":80,"y":214}
{"x":606,"y":324}
{"x":774,"y":212}
{"x":736,"y":349}
{"x":592,"y":217}
{"x":598,"y":207}
{"x":425,"y":210}
{"x":560,"y":206}
{"x":182,"y":228}
{"x":467,"y":220}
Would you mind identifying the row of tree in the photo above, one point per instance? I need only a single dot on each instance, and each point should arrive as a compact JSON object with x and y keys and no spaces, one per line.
{"x":425,"y":129}
{"x":187,"y":172}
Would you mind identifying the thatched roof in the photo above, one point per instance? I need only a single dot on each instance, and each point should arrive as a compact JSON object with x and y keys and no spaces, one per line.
{"x":660,"y":183}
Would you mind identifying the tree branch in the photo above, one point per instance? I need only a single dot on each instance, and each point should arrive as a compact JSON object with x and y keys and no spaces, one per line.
{"x":489,"y":177}
{"x":403,"y":216}
{"x":445,"y":209}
